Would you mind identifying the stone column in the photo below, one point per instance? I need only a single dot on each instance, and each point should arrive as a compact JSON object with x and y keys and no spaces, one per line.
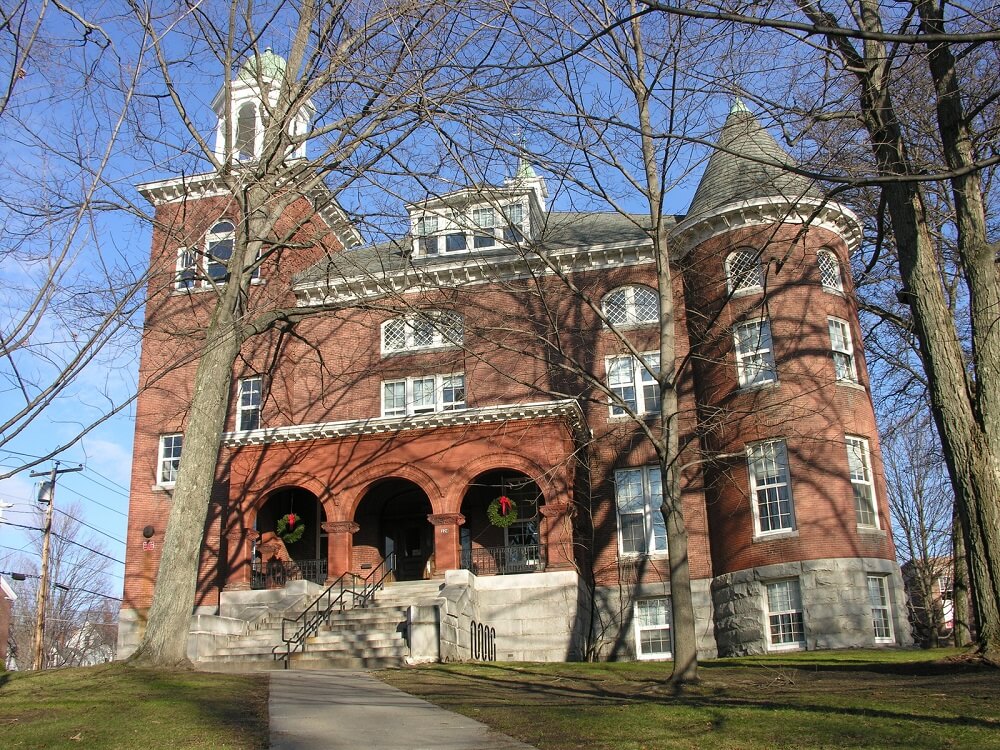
{"x":557,"y":535}
{"x":240,"y":552}
{"x":339,"y":546}
{"x":447,"y":541}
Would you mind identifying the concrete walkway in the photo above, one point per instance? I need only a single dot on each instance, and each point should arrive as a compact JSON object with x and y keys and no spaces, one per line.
{"x":349,"y":710}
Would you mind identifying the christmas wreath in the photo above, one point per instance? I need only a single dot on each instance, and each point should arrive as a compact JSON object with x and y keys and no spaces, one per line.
{"x":502,"y":512}
{"x":290,"y":528}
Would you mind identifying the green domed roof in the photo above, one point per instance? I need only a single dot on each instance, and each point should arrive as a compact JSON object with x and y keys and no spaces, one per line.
{"x":267,"y":65}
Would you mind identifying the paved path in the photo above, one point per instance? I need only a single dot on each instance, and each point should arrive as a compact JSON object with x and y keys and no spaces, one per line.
{"x":349,"y":710}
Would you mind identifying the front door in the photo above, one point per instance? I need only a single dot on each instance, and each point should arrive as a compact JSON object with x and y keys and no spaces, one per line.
{"x":413,"y":543}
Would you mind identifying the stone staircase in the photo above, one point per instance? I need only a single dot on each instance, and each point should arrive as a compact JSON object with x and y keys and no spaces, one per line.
{"x":370,"y":638}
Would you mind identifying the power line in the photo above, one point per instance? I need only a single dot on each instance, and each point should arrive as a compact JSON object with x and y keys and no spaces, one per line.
{"x":125,"y":490}
{"x":66,"y":539}
{"x":94,"y":528}
{"x":32,"y":552}
{"x":96,"y":502}
{"x":62,"y":586}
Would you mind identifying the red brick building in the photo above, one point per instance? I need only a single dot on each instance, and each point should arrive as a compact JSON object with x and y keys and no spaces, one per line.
{"x":504,"y":349}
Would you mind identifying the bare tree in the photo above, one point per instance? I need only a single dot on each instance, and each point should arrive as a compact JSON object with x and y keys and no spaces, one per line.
{"x":81,"y":616}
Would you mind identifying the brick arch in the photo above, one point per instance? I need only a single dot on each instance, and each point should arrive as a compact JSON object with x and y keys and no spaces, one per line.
{"x":497,"y":462}
{"x":259,"y":494}
{"x":363,"y":480}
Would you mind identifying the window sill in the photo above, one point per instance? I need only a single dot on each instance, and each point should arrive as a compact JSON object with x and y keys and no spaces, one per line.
{"x":164,"y":487}
{"x":835,"y":292}
{"x":872,"y":531}
{"x":852,"y":384}
{"x":421,"y":350}
{"x":631,"y":557}
{"x":631,"y":326}
{"x":759,"y":386}
{"x":785,"y":647}
{"x":774,"y":536}
{"x":746,"y":292}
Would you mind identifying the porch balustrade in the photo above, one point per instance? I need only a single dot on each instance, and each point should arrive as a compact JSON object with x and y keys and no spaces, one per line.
{"x":274,"y":574}
{"x":489,"y":561}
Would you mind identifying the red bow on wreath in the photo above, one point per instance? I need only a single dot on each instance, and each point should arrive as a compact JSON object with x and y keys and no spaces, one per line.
{"x":291,"y":520}
{"x":505,"y":505}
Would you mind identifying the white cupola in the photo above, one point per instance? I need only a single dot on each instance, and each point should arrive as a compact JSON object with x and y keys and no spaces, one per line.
{"x":254,"y":94}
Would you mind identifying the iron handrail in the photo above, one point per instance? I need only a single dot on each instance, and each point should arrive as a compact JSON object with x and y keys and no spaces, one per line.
{"x":310,"y":623}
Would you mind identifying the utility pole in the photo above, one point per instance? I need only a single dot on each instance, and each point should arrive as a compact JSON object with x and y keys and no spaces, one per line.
{"x":43,"y":584}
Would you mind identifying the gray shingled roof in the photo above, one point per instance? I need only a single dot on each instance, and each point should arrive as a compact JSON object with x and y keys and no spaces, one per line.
{"x":563,"y":229}
{"x":747,"y":164}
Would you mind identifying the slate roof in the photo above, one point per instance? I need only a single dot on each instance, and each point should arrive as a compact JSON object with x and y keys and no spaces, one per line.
{"x":747,"y":164}
{"x":563,"y":229}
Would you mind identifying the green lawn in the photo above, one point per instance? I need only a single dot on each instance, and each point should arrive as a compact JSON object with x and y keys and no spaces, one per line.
{"x":113,"y":706}
{"x":842,"y":699}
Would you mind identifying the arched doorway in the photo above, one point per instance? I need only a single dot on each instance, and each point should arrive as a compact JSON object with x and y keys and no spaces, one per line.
{"x":292,"y":542}
{"x":512,"y":544}
{"x":393,"y":518}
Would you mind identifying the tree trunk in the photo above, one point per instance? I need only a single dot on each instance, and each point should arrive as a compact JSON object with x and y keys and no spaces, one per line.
{"x":961,"y":631}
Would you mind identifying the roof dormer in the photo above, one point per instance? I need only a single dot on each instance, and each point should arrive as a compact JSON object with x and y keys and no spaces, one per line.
{"x":253,"y":98}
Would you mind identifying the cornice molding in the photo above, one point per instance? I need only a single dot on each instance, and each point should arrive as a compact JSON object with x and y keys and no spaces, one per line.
{"x":567,"y":409}
{"x":469,"y":269}
{"x":813,"y":212}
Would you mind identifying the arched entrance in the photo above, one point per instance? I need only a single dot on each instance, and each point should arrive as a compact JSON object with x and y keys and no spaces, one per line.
{"x":292,"y":542}
{"x":393,"y":518}
{"x":514,"y":546}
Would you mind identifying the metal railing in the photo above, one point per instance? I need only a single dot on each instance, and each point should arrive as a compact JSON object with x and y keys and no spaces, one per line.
{"x":518,"y":558}
{"x":482,"y":642}
{"x":274,"y":574}
{"x":344,"y":593}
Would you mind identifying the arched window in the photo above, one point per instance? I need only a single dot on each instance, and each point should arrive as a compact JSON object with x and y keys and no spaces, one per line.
{"x":743,"y":272}
{"x":246,"y":131}
{"x":632,"y":305}
{"x":427,"y":329}
{"x":219,"y":248}
{"x":829,"y":271}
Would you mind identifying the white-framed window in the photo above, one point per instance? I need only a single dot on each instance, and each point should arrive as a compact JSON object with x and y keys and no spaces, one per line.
{"x":652,"y":628}
{"x":427,"y":241}
{"x":169,"y":460}
{"x":186,"y":272}
{"x":843,"y":350}
{"x":428,"y":329}
{"x":633,"y":383}
{"x":638,"y":497}
{"x":878,"y":595}
{"x":423,"y":395}
{"x":632,"y":305}
{"x":521,"y":542}
{"x":784,"y":615}
{"x":859,"y":464}
{"x":248,"y":403}
{"x":484,"y":222}
{"x":754,"y":353}
{"x":513,"y":231}
{"x":743,"y":272}
{"x":770,"y":487}
{"x":829,"y":271}
{"x":218,"y":251}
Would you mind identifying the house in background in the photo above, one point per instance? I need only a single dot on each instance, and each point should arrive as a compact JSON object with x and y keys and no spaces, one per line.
{"x":468,"y":416}
{"x":930,"y":599}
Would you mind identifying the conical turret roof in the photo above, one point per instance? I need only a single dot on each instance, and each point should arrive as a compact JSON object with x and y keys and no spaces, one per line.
{"x":747,"y":164}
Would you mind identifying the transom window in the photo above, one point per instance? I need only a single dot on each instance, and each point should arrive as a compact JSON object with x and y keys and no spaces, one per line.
{"x":754,"y":353}
{"x":423,"y":395}
{"x":248,"y":403}
{"x":859,"y":464}
{"x":743,"y":272}
{"x":770,"y":486}
{"x":652,"y":628}
{"x":784,"y":615}
{"x":428,"y":329}
{"x":843,"y":350}
{"x":638,"y":497}
{"x":829,"y":271}
{"x":633,"y":385}
{"x":632,"y":305}
{"x":878,"y":595}
{"x":169,"y":460}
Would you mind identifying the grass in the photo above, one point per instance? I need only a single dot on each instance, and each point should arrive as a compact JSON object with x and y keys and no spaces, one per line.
{"x":113,"y":706}
{"x":836,"y":699}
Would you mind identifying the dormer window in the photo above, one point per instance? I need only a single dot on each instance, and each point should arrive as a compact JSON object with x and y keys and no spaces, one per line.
{"x":513,"y":232}
{"x":427,"y":227}
{"x":483,"y":223}
{"x":475,"y":228}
